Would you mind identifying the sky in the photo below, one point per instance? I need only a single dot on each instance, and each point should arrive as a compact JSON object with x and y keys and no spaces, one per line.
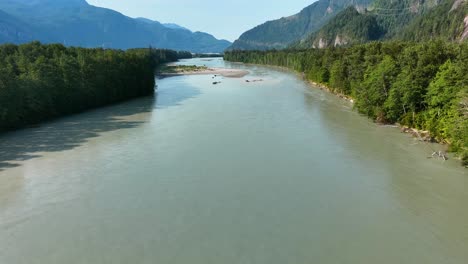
{"x":226,"y":19}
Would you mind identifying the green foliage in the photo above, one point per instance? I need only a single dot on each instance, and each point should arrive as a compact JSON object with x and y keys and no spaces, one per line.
{"x":375,"y":88}
{"x":339,"y":80}
{"x":38,"y":82}
{"x":423,"y":85}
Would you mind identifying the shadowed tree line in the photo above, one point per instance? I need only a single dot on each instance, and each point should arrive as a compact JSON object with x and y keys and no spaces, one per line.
{"x":70,"y":132}
{"x":421,"y":85}
{"x":39,"y":82}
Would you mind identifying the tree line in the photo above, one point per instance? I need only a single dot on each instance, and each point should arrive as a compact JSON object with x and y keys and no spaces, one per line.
{"x":420,"y":85}
{"x":39,"y":82}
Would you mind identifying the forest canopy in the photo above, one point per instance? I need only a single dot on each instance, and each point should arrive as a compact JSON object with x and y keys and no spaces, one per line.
{"x":39,"y":82}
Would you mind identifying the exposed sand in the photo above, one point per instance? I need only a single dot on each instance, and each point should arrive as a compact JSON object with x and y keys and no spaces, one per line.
{"x":229,"y":73}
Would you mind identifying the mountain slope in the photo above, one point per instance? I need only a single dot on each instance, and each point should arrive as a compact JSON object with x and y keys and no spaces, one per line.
{"x":13,"y":30}
{"x":448,"y":21}
{"x":167,"y":25}
{"x":280,"y":33}
{"x":76,"y":23}
{"x":410,"y":20}
{"x":348,"y":27}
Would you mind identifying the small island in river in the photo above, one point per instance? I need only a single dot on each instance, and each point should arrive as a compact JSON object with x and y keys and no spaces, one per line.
{"x":170,"y":70}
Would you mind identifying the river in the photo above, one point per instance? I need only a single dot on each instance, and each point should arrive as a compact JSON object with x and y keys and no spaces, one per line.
{"x":267,"y":172}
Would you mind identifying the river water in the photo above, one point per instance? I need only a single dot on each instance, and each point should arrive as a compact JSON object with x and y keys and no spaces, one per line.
{"x":266,"y":172}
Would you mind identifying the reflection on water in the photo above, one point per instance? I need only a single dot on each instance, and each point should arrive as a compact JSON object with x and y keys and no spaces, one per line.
{"x":175,"y":92}
{"x":68,"y":133}
{"x":268,"y":172}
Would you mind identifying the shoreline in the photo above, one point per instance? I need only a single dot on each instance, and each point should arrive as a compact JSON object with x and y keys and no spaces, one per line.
{"x":421,"y":135}
{"x":225,"y":72}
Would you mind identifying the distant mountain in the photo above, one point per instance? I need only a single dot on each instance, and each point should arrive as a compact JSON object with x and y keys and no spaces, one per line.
{"x":174,"y":26}
{"x":76,"y":23}
{"x":281,"y":33}
{"x":412,"y":20}
{"x":14,"y":30}
{"x":167,"y":25}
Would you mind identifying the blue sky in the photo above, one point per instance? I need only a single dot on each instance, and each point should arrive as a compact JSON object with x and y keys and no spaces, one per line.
{"x":225,"y":19}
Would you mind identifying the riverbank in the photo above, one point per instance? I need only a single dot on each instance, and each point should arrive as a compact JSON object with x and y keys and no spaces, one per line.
{"x":171,"y":71}
{"x":310,"y":82}
{"x":424,"y":90}
{"x":422,"y":135}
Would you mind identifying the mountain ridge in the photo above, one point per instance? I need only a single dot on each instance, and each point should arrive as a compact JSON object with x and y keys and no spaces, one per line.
{"x":341,"y":22}
{"x":280,"y":33}
{"x":77,"y":23}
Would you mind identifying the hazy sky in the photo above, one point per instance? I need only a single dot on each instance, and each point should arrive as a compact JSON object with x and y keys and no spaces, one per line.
{"x":225,"y":19}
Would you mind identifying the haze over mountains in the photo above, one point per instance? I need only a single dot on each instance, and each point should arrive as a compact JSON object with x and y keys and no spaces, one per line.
{"x":76,"y":23}
{"x":344,"y":22}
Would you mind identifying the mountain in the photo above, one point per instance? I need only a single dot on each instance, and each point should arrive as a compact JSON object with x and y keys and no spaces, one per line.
{"x":76,"y":23}
{"x":174,"y":26}
{"x":13,"y":30}
{"x":167,"y":25}
{"x":448,"y":20}
{"x":348,"y":27}
{"x":410,"y":20}
{"x":278,"y":34}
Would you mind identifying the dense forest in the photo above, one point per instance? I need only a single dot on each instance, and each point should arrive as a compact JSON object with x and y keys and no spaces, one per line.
{"x":39,"y":82}
{"x":421,"y":85}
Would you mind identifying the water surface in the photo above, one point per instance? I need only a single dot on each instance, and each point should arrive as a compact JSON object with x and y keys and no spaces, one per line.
{"x":267,"y":172}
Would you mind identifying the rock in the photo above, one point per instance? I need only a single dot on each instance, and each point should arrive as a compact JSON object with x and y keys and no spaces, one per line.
{"x":405,"y":129}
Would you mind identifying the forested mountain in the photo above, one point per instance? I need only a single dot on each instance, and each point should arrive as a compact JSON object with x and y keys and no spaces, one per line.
{"x":76,"y":23}
{"x":448,"y":21}
{"x":413,"y":20}
{"x":348,"y":27}
{"x":340,"y":22}
{"x":281,"y":33}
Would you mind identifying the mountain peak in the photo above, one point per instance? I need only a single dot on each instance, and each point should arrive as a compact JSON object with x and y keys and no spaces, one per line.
{"x":76,"y":23}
